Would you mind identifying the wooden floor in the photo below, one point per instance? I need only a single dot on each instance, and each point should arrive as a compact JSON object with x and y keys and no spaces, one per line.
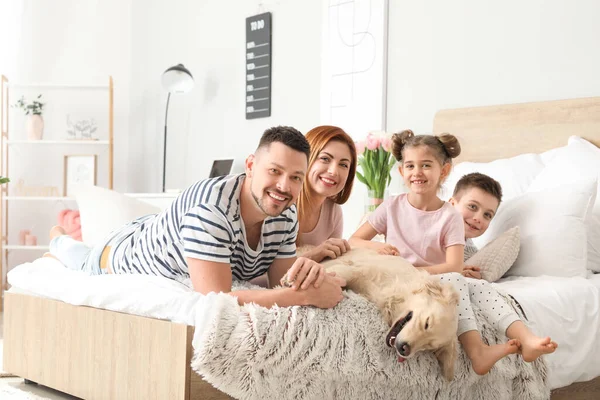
{"x":579,"y":391}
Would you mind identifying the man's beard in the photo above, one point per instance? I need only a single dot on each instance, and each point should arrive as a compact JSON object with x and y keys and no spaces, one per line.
{"x":264,"y":209}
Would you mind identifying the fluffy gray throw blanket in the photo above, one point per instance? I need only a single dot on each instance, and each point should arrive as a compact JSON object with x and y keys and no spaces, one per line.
{"x":251,"y":352}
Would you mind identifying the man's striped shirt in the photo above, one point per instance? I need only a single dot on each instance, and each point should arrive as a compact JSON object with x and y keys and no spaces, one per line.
{"x":204,"y":222}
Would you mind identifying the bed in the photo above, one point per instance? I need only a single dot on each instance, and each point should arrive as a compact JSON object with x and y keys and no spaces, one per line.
{"x":92,"y":352}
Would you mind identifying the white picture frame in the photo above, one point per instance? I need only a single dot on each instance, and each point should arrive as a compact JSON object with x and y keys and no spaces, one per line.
{"x":79,"y":170}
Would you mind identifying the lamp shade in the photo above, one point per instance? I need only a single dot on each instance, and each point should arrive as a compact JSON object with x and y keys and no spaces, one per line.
{"x":177,"y":79}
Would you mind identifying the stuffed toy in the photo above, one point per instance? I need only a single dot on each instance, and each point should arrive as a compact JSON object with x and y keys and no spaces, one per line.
{"x":71,"y":222}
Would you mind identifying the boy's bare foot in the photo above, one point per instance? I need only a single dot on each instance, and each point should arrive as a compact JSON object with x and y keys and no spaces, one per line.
{"x":532,"y":347}
{"x":57,"y":231}
{"x":484,"y":357}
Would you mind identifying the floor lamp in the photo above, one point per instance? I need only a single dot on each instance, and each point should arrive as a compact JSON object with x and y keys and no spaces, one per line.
{"x":177,"y":79}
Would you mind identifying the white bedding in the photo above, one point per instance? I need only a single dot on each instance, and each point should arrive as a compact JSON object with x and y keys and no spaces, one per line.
{"x":568,"y":310}
{"x":565,"y":308}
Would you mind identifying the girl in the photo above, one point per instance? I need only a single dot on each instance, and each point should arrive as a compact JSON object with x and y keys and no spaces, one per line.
{"x":328,"y":183}
{"x":429,"y":232}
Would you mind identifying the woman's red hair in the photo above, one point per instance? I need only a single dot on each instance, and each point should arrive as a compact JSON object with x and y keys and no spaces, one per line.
{"x":318,"y":138}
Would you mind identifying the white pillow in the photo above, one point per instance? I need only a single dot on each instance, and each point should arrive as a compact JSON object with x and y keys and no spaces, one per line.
{"x":103,"y":210}
{"x":579,"y":161}
{"x":496,"y":257}
{"x":553,"y":230}
{"x":514,"y":174}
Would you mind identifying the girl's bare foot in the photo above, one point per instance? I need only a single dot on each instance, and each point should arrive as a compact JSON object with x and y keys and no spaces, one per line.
{"x":484,"y":357}
{"x":57,"y":231}
{"x":532,"y":347}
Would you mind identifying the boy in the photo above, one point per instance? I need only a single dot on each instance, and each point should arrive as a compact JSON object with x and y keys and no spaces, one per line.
{"x":477,"y":198}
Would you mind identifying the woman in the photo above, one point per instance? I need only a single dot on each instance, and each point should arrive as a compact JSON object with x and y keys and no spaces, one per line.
{"x":328,"y":183}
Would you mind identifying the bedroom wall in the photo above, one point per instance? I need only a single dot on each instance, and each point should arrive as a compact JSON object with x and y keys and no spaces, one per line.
{"x":470,"y":53}
{"x":208,"y":37}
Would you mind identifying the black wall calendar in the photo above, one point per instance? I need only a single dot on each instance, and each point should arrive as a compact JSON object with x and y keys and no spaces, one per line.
{"x":258,"y":66}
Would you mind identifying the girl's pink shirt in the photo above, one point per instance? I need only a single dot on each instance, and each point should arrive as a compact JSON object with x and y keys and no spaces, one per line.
{"x":421,"y":236}
{"x":330,"y":225}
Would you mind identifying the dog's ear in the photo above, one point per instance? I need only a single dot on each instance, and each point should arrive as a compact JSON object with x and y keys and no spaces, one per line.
{"x":447,"y":358}
{"x":449,"y":294}
{"x":390,"y":308}
{"x":440,"y":291}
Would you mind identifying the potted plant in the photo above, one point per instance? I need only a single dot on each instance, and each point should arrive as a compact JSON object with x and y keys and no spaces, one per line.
{"x":33,"y":110}
{"x":3,"y":180}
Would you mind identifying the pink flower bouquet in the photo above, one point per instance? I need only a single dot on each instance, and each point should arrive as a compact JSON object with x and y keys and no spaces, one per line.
{"x":376,"y":162}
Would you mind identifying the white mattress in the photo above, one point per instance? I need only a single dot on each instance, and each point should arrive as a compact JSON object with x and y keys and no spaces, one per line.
{"x":567,"y":309}
{"x":147,"y":296}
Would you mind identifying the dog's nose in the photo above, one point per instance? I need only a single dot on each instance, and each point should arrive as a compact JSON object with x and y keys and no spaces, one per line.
{"x":403,"y":348}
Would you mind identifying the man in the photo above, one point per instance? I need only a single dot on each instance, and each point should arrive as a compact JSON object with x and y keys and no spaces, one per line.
{"x":236,"y":226}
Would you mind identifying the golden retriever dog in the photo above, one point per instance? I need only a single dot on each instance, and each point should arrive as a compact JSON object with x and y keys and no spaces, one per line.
{"x":420,"y":311}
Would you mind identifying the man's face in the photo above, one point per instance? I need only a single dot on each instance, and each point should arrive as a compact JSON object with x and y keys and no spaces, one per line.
{"x":276,"y":173}
{"x":477,"y":208}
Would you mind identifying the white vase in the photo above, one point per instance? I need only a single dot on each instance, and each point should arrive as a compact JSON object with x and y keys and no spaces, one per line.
{"x":34,"y":127}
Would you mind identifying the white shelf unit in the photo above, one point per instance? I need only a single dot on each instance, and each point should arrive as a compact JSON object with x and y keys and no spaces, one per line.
{"x":60,"y":142}
{"x":67,"y":86}
{"x":6,"y":142}
{"x":39,"y":198}
{"x":24,"y":247}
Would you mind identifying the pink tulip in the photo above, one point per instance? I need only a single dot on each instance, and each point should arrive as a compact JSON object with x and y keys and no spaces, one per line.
{"x":360,"y":147}
{"x":373,"y":142}
{"x":386,"y":143}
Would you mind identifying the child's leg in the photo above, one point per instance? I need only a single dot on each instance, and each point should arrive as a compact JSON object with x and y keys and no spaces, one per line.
{"x":70,"y":252}
{"x":506,"y":320}
{"x":482,"y":356}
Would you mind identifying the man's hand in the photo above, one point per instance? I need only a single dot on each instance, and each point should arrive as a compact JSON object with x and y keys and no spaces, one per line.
{"x":327,"y":295}
{"x":388,"y":249}
{"x":470,"y":271}
{"x":304,"y":273}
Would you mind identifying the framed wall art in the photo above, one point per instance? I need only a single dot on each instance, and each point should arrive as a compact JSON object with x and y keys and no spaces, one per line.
{"x":80,"y":170}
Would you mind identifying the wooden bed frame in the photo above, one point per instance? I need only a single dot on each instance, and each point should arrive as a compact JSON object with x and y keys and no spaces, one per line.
{"x":98,"y":354}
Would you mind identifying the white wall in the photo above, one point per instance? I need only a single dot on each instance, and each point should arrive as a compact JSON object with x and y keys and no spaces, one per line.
{"x":208,"y":37}
{"x":70,"y":41}
{"x":463,"y":53}
{"x":63,"y":42}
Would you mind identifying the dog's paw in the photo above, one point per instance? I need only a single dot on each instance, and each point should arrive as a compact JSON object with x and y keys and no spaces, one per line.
{"x":286,"y":281}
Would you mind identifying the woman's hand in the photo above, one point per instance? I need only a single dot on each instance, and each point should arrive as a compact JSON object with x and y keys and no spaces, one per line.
{"x":470,"y":271}
{"x":331,"y":248}
{"x":388,"y":249}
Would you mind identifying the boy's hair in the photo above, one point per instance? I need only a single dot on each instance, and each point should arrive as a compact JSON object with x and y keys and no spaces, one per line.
{"x":481,"y":181}
{"x":287,"y":135}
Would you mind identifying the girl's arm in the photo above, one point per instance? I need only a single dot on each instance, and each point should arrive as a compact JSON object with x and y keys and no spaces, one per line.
{"x":362,"y":238}
{"x":454,"y":261}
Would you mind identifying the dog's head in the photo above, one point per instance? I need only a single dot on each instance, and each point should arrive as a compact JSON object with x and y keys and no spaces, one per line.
{"x":425,"y":319}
